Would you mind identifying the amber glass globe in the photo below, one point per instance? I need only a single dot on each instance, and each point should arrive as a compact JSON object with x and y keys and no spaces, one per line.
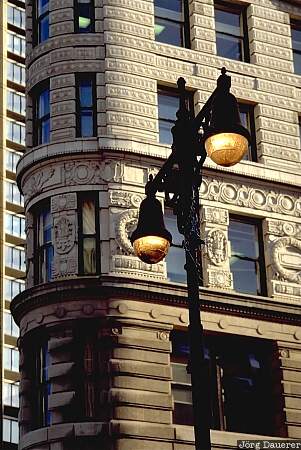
{"x":226,"y":149}
{"x":151,"y":249}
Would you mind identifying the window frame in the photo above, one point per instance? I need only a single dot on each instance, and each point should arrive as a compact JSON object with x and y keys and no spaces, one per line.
{"x":79,"y":77}
{"x":216,"y":345}
{"x":77,"y":16}
{"x":261,"y":275}
{"x":183,"y":23}
{"x":39,"y":121}
{"x":40,"y":250}
{"x":82,"y":197}
{"x":240,"y":10}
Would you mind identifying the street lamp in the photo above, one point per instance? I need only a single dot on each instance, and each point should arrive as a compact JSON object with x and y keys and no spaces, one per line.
{"x":225,"y":141}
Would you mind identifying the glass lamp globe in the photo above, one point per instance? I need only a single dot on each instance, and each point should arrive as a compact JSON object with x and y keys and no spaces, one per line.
{"x":226,"y":149}
{"x":151,"y":249}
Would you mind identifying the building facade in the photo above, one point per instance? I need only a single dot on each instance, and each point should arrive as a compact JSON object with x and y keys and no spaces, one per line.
{"x":103,"y":336}
{"x":12,"y":238}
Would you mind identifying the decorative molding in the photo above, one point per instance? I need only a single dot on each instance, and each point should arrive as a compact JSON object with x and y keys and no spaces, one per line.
{"x":220,"y":279}
{"x":125,"y":224}
{"x":64,"y":234}
{"x":280,"y":248}
{"x":125,"y":198}
{"x":215,"y":215}
{"x":217,"y":247}
{"x":63,"y":202}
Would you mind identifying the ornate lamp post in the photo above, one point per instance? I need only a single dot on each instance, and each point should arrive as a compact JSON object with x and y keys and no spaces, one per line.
{"x":225,"y":141}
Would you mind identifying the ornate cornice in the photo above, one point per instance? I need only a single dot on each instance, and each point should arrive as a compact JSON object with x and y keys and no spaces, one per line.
{"x":110,"y":287}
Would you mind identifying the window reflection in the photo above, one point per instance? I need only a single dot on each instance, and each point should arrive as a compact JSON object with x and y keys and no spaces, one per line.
{"x":175,"y":259}
{"x":248,"y":121}
{"x":296,"y":44}
{"x":44,"y":247}
{"x":171,"y":22}
{"x":89,"y":235}
{"x":86,"y":113}
{"x":84,"y":16}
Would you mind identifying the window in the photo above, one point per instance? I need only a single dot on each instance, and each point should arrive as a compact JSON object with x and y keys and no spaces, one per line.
{"x":15,"y":225}
{"x":41,"y":21}
{"x":13,"y":194}
{"x":84,"y":16}
{"x":175,"y":259}
{"x":246,"y":263}
{"x":88,"y":245}
{"x":248,"y":121}
{"x":42,"y":388}
{"x":16,"y":44}
{"x":16,"y":102}
{"x":42,"y":116}
{"x":15,"y":258}
{"x":16,"y":16}
{"x":231,"y":31}
{"x":15,"y":132}
{"x":10,"y":328}
{"x":43,"y":245}
{"x":168,"y":105}
{"x":11,"y":394}
{"x":86,"y":105}
{"x":240,"y":381}
{"x":172,"y":22}
{"x":296,"y":44}
{"x":16,"y":73}
{"x":10,"y":430}
{"x":13,"y":287}
{"x":12,"y":159}
{"x":11,"y":358}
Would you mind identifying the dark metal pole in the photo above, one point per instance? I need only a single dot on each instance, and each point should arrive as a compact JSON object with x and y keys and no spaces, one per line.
{"x":186,"y":144}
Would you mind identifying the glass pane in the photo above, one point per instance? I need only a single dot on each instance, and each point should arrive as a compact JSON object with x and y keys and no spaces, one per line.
{"x":244,"y":239}
{"x":44,"y":29}
{"x":165,"y":135}
{"x":297,"y":63}
{"x":88,"y":212}
{"x":43,"y":7}
{"x":170,"y":221}
{"x":45,"y":131}
{"x":227,"y":22}
{"x":6,"y":430}
{"x":175,"y":261}
{"x":179,"y":373}
{"x":296,"y":39}
{"x":183,"y":414}
{"x":89,"y":255}
{"x":87,"y":124}
{"x":7,"y":358}
{"x":182,"y":395}
{"x":7,"y":323}
{"x":48,"y":260}
{"x":229,"y":47}
{"x":85,"y":93}
{"x":44,"y":104}
{"x":6,"y":392}
{"x":173,"y":5}
{"x":169,"y":32}
{"x":245,"y":275}
{"x":84,"y":17}
{"x":14,"y":432}
{"x":15,"y":360}
{"x":15,"y":395}
{"x":168,"y":106}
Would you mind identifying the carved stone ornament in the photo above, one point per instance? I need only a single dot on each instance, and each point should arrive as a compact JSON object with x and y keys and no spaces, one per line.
{"x":63,"y":202}
{"x":220,"y":279}
{"x":217,"y":247}
{"x":64,"y":235}
{"x":125,"y":225}
{"x":286,"y":258}
{"x":215,"y":215}
{"x":251,"y":196}
{"x":126,"y":199}
{"x":92,"y":172}
{"x":37,"y":181}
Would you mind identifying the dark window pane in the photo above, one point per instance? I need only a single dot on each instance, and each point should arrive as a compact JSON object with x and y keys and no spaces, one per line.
{"x":165,"y":136}
{"x":229,"y":47}
{"x":84,"y":16}
{"x":227,"y":22}
{"x":168,"y":32}
{"x":297,"y":63}
{"x":168,"y":106}
{"x":173,"y":5}
{"x":87,"y":124}
{"x":44,"y":29}
{"x":44,"y":103}
{"x":296,"y":39}
{"x":43,"y":6}
{"x":85,"y":93}
{"x":45,"y":131}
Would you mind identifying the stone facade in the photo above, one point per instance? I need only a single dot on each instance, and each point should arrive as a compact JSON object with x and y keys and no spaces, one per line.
{"x":133,"y":306}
